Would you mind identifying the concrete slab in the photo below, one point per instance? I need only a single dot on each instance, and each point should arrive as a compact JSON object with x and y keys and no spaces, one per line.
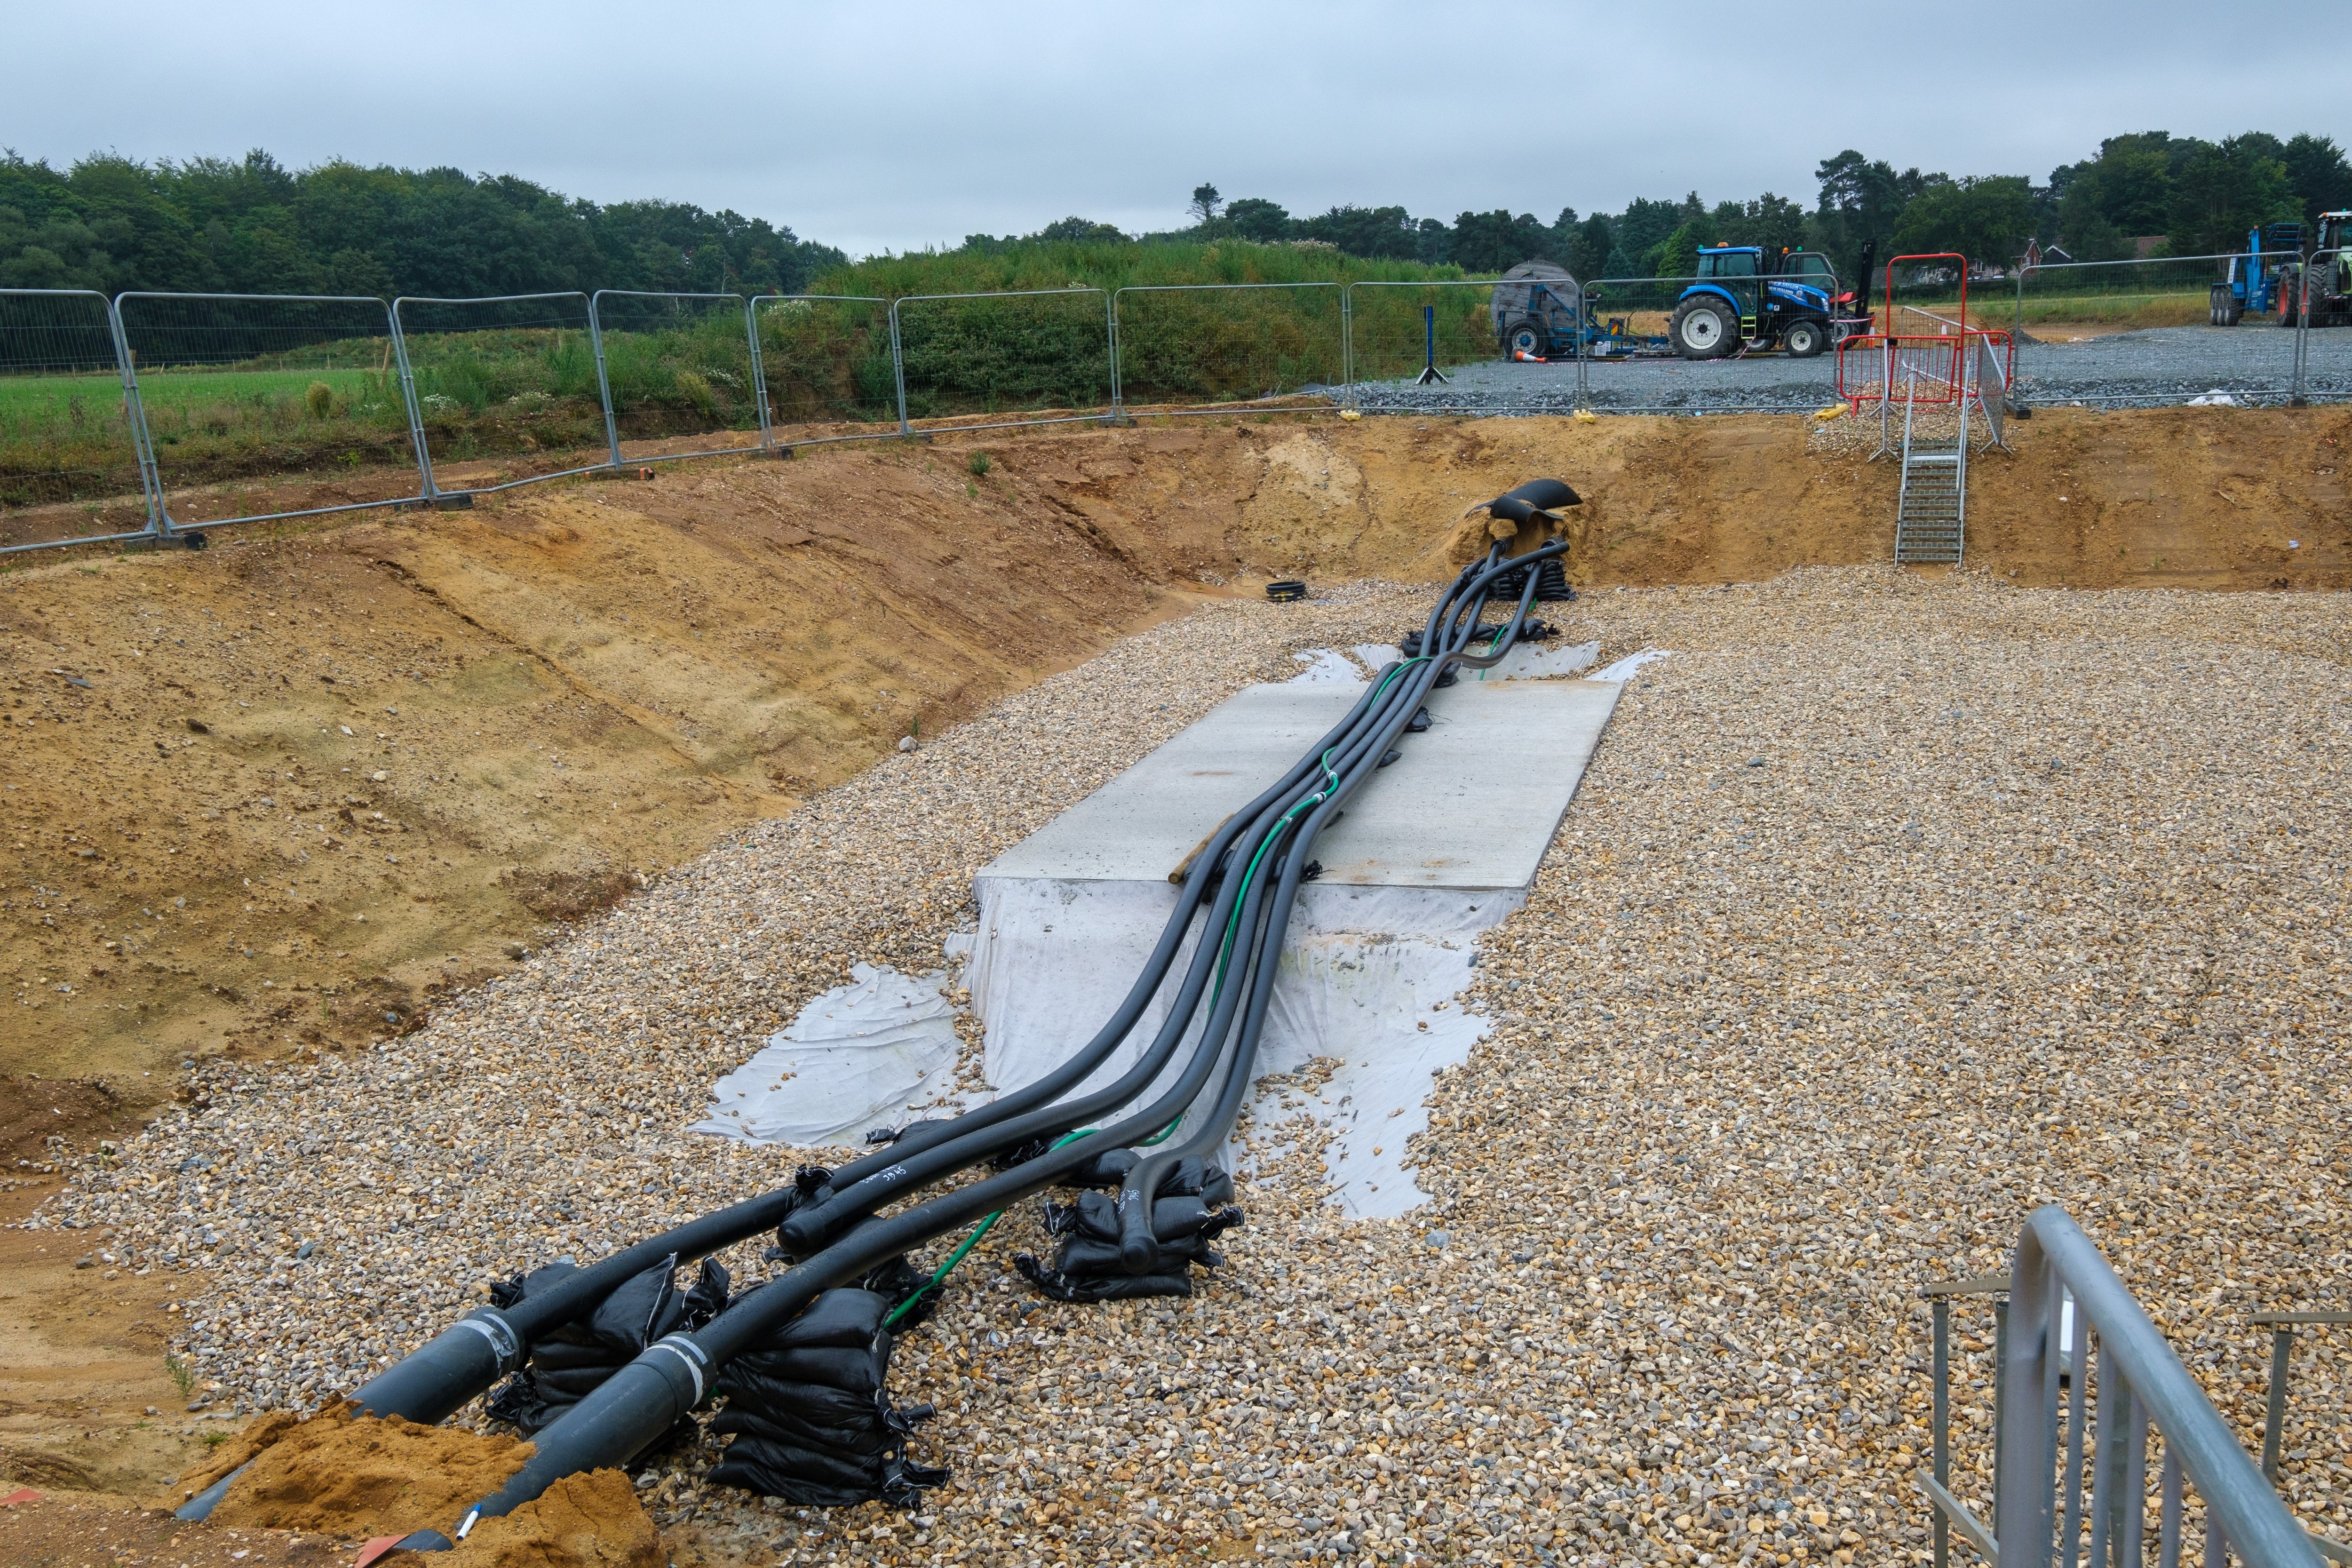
{"x":1472,"y":804}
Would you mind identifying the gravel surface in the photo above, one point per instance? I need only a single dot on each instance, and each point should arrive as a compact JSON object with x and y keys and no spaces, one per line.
{"x":1890,"y":906}
{"x":2160,"y":365}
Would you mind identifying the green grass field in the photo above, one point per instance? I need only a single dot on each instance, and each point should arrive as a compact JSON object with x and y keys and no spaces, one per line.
{"x":335,"y":404}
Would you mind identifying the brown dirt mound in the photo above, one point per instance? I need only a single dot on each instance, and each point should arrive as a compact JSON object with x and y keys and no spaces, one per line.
{"x":338,"y":1474}
{"x":582,"y":1521}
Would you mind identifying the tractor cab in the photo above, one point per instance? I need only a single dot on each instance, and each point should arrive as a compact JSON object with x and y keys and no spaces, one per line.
{"x":1747,"y":300}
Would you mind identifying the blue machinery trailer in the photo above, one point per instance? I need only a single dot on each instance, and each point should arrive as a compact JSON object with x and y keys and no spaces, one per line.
{"x":2253,"y":285}
{"x":1743,"y":302}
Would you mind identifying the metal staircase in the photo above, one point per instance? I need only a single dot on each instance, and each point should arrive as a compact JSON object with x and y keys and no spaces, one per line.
{"x":1931,"y":520}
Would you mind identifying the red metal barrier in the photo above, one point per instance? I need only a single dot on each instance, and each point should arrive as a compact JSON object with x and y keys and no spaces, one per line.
{"x":1924,"y":370}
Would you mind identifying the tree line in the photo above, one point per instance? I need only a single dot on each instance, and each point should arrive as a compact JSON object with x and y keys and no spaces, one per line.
{"x":2186,"y":195}
{"x":253,"y":226}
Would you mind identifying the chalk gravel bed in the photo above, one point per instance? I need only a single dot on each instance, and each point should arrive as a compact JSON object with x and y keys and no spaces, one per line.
{"x":1890,"y":908}
{"x":2251,"y":364}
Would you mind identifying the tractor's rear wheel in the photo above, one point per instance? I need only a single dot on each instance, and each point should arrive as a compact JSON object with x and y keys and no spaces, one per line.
{"x":1704,"y":327}
{"x":1803,"y":340}
{"x":1526,"y":336}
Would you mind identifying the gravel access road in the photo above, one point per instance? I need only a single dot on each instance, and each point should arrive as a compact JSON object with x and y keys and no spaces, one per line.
{"x":1889,"y":907}
{"x":2160,"y":365}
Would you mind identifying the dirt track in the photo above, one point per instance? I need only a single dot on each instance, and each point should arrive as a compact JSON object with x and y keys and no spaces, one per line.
{"x":281,"y":795}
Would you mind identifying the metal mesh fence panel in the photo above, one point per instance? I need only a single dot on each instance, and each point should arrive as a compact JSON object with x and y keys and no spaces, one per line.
{"x":1635,"y":367}
{"x":1434,"y":347}
{"x":824,"y":366}
{"x":1202,"y":347}
{"x":2318,"y":294}
{"x":261,"y":405}
{"x":505,"y":389}
{"x":1027,"y":357}
{"x":2124,"y":333}
{"x":681,"y":372}
{"x":70,"y":448}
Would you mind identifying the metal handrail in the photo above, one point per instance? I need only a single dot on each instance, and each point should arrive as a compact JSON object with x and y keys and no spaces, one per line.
{"x":2142,"y":1383}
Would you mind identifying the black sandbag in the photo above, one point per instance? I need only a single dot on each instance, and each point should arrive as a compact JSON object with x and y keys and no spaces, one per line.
{"x":1096,"y":1216}
{"x":807,"y":1416}
{"x":565,"y":1354}
{"x":859,"y":1434}
{"x":780,"y":1471}
{"x":1100,"y":1288}
{"x":1083,"y":1256}
{"x":1194,"y":1177}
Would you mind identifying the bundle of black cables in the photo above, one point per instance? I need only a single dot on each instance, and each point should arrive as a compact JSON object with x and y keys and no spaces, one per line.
{"x":1089,"y":1264}
{"x":1239,"y":890}
{"x":574,"y":1360}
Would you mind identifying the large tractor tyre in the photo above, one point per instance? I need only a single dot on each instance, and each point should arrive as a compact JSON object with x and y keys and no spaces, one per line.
{"x":1704,"y":327}
{"x":2287,"y":284}
{"x":1526,"y":336}
{"x":1803,"y":340}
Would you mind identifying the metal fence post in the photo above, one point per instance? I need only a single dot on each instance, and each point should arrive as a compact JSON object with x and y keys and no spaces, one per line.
{"x":1584,"y":375}
{"x":142,"y":447}
{"x":2274,"y":1416}
{"x":1943,"y":1424}
{"x":1110,"y":314}
{"x":2000,"y":1356}
{"x":759,"y":378}
{"x":415,"y":410}
{"x":899,"y":369}
{"x":2017,"y":326}
{"x":603,"y":382}
{"x":1348,"y":344}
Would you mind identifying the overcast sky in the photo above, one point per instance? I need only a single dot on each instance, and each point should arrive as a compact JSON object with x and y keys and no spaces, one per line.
{"x":892,"y":126}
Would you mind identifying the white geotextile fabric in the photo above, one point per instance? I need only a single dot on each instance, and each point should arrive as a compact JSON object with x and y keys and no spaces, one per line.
{"x":1362,"y":971}
{"x":859,"y":1057}
{"x":1325,"y":668}
{"x":1526,"y":661}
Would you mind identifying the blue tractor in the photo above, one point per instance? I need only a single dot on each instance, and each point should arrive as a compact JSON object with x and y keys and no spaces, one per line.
{"x":2252,"y":286}
{"x":1746,"y":300}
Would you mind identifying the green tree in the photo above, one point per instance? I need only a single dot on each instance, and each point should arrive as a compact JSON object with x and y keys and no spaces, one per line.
{"x":1496,"y":241}
{"x":1078,"y":228}
{"x":1985,"y":218}
{"x":1677,"y":254}
{"x":2222,"y":192}
{"x":1205,"y":202}
{"x":1588,"y":257}
{"x":2318,"y":175}
{"x":1362,"y":231}
{"x":1254,"y":218}
{"x":1645,"y":226}
{"x":2130,"y":181}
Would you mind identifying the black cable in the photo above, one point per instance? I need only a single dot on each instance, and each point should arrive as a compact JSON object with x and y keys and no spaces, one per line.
{"x":643,"y":1400}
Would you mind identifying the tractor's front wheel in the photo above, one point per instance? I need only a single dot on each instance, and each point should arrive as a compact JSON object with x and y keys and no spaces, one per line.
{"x":1803,"y":340}
{"x":1703,"y":327}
